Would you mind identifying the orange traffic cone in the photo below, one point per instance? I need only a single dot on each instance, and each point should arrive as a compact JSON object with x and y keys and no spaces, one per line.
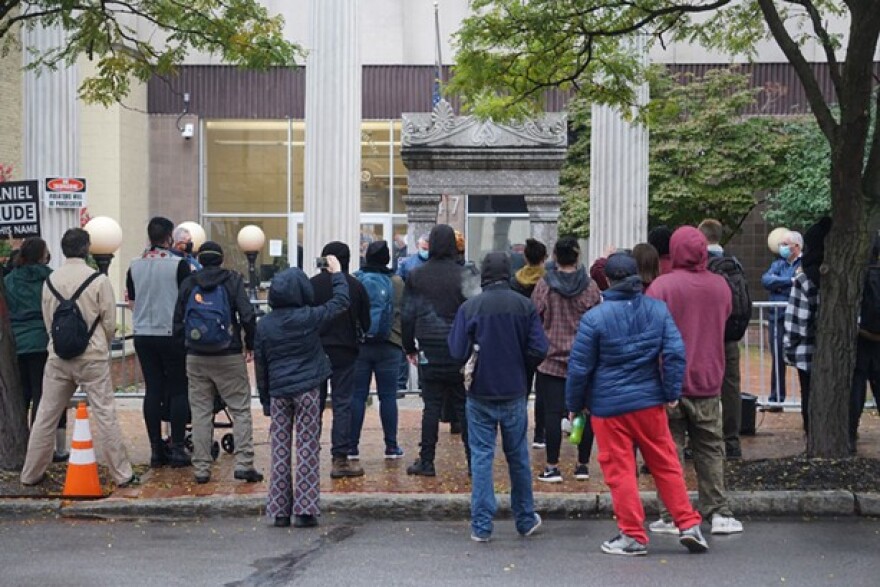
{"x":82,"y":469}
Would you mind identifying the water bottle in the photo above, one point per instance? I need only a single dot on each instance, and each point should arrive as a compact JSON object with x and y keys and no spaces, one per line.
{"x":423,"y":360}
{"x":577,"y":429}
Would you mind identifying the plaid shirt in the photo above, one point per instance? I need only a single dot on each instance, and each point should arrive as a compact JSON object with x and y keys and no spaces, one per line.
{"x":560,"y":317}
{"x":799,"y":340}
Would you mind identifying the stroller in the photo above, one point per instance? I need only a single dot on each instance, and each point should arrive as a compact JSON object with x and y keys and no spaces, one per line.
{"x":227,"y":441}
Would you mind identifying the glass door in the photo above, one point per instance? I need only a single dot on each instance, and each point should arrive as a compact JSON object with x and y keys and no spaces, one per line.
{"x":374,"y":227}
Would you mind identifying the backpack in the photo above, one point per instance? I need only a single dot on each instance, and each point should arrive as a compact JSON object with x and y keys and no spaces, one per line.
{"x":207,"y":319}
{"x":869,"y":319}
{"x":741,"y":314}
{"x":380,"y":290}
{"x":70,"y":333}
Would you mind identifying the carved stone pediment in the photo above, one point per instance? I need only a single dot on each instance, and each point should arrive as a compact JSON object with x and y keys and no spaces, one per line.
{"x":442,"y":128}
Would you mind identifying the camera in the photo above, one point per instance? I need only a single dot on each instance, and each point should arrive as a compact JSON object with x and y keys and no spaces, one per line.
{"x":188,"y":131}
{"x":321,"y":263}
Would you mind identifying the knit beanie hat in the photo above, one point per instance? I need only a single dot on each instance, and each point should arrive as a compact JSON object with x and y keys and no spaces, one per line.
{"x":378,"y":254}
{"x":340,"y":251}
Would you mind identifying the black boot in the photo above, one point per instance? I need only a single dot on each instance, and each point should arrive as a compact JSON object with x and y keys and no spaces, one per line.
{"x":179,"y":457}
{"x":158,"y":455}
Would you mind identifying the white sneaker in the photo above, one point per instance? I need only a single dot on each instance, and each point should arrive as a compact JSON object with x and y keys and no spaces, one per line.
{"x":726,"y":525}
{"x":663,"y":527}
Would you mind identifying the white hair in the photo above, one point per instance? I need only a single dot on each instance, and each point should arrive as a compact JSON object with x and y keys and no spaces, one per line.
{"x":179,"y":233}
{"x":795,"y":238}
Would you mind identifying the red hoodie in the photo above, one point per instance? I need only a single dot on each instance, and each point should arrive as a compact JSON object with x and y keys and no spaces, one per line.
{"x":700,"y":302}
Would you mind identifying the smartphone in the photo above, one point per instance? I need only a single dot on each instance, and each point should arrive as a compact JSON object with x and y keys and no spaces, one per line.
{"x":321,"y":263}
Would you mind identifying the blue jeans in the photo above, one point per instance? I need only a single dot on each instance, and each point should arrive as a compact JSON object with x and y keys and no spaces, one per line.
{"x":483,"y":420}
{"x":383,"y":359}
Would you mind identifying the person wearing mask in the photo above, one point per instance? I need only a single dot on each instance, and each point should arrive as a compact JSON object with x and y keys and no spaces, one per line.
{"x":90,"y":370}
{"x":561,"y":298}
{"x":627,"y":363}
{"x":406,"y":265}
{"x":700,"y":302}
{"x":431,"y":298}
{"x":802,"y":311}
{"x":524,"y":282}
{"x":153,"y":284}
{"x":24,"y":287}
{"x":183,"y":245}
{"x":380,"y":350}
{"x":778,"y":281}
{"x":339,"y":337}
{"x":504,"y":330}
{"x":290,"y":365}
{"x":221,"y":370}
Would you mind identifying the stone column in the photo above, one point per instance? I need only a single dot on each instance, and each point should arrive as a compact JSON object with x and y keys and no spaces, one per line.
{"x":618,"y":177}
{"x":333,"y":129}
{"x":543,"y":218}
{"x":421,"y":215}
{"x":51,"y":130}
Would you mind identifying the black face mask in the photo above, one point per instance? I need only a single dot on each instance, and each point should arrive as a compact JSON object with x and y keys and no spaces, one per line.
{"x":188,"y":248}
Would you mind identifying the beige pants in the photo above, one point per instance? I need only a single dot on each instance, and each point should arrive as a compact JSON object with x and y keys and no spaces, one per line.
{"x":226,"y":376}
{"x":59,"y":382}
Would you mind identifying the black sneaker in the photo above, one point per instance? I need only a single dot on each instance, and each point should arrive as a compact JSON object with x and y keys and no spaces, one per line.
{"x":551,"y":475}
{"x":249,"y":475}
{"x":202,"y":478}
{"x":423,"y":468}
{"x":305,"y":521}
{"x":282,"y":521}
{"x":733,"y":453}
{"x":581,"y":472}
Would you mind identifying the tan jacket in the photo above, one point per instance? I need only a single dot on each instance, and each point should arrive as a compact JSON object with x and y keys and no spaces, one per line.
{"x":97,"y":300}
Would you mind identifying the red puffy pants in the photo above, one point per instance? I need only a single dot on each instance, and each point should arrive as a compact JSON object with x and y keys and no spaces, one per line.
{"x":648,"y":430}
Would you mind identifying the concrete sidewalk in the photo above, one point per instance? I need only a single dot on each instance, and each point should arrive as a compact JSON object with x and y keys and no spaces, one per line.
{"x":387,"y":486}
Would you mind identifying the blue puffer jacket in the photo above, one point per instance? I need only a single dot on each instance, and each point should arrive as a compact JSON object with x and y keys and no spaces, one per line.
{"x":288,"y":353}
{"x":615,"y":364}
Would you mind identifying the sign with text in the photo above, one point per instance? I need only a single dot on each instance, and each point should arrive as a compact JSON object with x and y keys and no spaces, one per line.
{"x":65,"y":192}
{"x":19,"y":209}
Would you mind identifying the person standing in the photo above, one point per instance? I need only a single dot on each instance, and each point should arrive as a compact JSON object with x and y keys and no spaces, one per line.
{"x":700,"y":302}
{"x":290,"y":364}
{"x":153,"y":283}
{"x":524,"y":282}
{"x":380,"y":350}
{"x":216,"y":358}
{"x":561,"y":297}
{"x":868,"y":347}
{"x":406,"y":265}
{"x":24,"y":287}
{"x":659,"y":237}
{"x":802,"y":311}
{"x":339,"y":337}
{"x":183,"y":246}
{"x":505,"y":329}
{"x":627,"y":362}
{"x":431,"y":298}
{"x":778,"y":280}
{"x":90,"y":370}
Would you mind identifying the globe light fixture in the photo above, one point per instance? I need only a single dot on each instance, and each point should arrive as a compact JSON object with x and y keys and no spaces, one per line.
{"x":196,"y":233}
{"x":105,"y":236}
{"x":775,"y":237}
{"x":251,"y":240}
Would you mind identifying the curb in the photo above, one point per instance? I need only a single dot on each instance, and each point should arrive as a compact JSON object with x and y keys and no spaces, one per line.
{"x":404,"y":506}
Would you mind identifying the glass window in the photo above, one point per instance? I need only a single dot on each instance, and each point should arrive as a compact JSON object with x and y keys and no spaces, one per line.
{"x":298,"y":165}
{"x":225,"y":232}
{"x":495,"y":233}
{"x":399,"y":186}
{"x":375,"y":166}
{"x":246,"y":166}
{"x":497,"y":205}
{"x":399,"y":246}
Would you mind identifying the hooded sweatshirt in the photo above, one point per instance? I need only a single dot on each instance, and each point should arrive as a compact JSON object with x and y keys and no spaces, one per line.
{"x":24,"y":290}
{"x":243,"y":315}
{"x":289,"y":358}
{"x":377,"y":257}
{"x":431,"y":297}
{"x":525,"y":280}
{"x":700,"y":302}
{"x":561,"y":298}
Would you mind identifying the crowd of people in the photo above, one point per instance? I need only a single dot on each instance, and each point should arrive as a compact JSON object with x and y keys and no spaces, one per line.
{"x":645,"y":344}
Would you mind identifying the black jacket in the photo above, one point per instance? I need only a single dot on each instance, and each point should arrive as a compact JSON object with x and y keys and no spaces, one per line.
{"x":289,"y":358}
{"x":340,"y":335}
{"x":243,"y":316}
{"x":431,"y":297}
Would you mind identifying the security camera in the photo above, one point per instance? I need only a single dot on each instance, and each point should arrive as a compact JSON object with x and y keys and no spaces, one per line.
{"x":188,"y":131}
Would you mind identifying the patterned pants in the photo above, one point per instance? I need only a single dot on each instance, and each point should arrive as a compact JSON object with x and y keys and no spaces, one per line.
{"x":303,"y":499}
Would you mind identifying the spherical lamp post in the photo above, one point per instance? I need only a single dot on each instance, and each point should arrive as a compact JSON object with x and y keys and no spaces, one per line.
{"x":106,"y":237}
{"x":774,"y":238}
{"x":196,"y":232}
{"x":251,"y":240}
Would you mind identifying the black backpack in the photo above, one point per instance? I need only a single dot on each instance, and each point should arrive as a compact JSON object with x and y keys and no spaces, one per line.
{"x":741,"y":314}
{"x":70,"y":333}
{"x":869,"y":320}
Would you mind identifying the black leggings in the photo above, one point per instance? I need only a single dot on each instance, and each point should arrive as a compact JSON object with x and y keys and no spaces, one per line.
{"x":163,"y":362}
{"x":553,"y":390}
{"x":804,"y":378}
{"x":31,"y":367}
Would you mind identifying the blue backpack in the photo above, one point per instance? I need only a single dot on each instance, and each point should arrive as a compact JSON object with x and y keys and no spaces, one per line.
{"x":381,"y":293}
{"x":207,"y":320}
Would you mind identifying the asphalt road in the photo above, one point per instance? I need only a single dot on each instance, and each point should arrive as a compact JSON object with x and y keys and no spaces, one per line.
{"x":242,"y":552}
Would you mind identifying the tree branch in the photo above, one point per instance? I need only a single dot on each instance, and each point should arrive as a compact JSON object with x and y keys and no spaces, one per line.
{"x":825,"y":41}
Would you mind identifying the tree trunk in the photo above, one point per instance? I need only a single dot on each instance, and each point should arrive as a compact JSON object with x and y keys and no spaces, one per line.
{"x":842,"y":275}
{"x":13,"y":422}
